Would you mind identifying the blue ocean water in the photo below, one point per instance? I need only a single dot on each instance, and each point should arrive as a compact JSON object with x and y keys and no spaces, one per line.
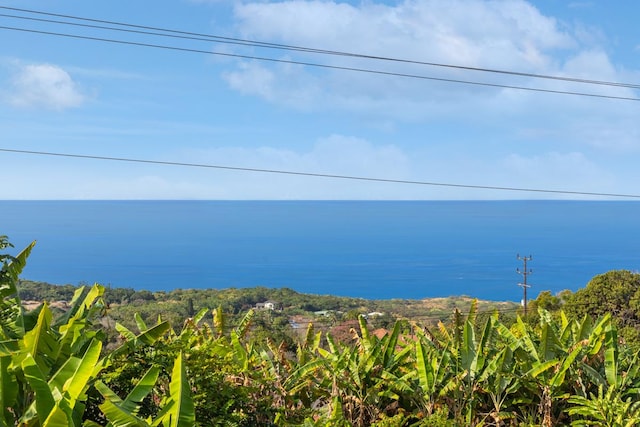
{"x":371,"y":249}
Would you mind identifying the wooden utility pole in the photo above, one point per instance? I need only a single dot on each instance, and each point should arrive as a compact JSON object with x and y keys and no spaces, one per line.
{"x":524,"y":273}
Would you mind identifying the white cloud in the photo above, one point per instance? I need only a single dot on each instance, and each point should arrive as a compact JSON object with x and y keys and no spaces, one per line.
{"x":493,"y":34}
{"x":44,"y":86}
{"x":594,"y":65}
{"x":252,"y":81}
{"x":508,"y":35}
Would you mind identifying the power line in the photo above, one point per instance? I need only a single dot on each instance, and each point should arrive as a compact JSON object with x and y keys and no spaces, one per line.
{"x":318,"y":175}
{"x":312,"y":64}
{"x":254,"y":43}
{"x":211,"y":38}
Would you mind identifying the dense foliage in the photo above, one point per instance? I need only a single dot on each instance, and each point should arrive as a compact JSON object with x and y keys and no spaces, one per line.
{"x":326,"y":311}
{"x":217,"y":370}
{"x":615,"y":292}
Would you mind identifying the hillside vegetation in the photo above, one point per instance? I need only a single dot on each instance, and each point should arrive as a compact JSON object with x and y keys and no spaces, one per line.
{"x":179,"y":304}
{"x":65,"y":367}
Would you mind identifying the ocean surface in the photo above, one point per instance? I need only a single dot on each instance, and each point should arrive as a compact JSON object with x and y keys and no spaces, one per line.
{"x":373,"y":249}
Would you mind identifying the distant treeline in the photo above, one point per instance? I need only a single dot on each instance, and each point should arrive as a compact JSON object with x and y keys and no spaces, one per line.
{"x":179,"y":304}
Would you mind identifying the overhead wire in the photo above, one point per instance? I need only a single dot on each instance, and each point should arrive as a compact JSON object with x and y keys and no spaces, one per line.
{"x":247,"y":42}
{"x":176,"y":34}
{"x":326,"y":66}
{"x":311,"y":50}
{"x":318,"y":175}
{"x":202,"y":37}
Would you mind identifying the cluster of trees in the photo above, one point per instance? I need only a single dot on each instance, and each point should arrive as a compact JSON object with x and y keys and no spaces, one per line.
{"x":615,"y":293}
{"x":178,"y":304}
{"x":551,"y":370}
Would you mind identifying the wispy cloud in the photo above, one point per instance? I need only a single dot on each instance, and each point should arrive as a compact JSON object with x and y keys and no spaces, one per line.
{"x":44,"y":86}
{"x":335,"y":154}
{"x":505,"y":35}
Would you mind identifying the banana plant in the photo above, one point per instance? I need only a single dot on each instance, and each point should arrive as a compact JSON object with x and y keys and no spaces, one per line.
{"x":133,"y":342}
{"x":500,"y":383}
{"x":363,"y":380}
{"x":435,"y":379}
{"x":305,"y":371}
{"x":546,"y":364}
{"x":11,"y":311}
{"x":615,"y":403}
{"x":45,"y":372}
{"x":126,"y":410}
{"x":605,"y":409}
{"x":470,"y":356}
{"x":45,"y":366}
{"x":59,"y":400}
{"x":177,"y":407}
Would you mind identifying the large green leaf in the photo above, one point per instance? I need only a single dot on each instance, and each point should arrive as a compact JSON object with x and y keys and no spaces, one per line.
{"x":540,"y":368}
{"x":59,"y":417}
{"x":243,"y":326}
{"x":559,"y":375}
{"x":154,"y":333}
{"x":11,"y":311}
{"x":303,"y":375}
{"x":132,"y":402}
{"x":483,"y":346}
{"x":125,"y":332}
{"x":527,"y":342}
{"x":147,"y":337}
{"x":468,"y":350}
{"x":426,"y":377}
{"x":549,"y":343}
{"x":182,"y":413}
{"x":8,"y":392}
{"x":142,"y":326}
{"x":391,"y":341}
{"x":9,"y":347}
{"x":200,"y":315}
{"x":41,"y":342}
{"x":81,"y":307}
{"x":44,"y":402}
{"x":611,"y":356}
{"x":107,"y":393}
{"x":75,"y":335}
{"x":118,"y":417}
{"x":78,"y":382}
{"x":124,"y":412}
{"x":13,"y":270}
{"x":365,"y":340}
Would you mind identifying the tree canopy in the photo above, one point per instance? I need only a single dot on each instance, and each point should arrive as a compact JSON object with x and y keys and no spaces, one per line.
{"x":616,"y":292}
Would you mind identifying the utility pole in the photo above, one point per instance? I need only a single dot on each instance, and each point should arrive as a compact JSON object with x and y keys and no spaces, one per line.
{"x":524,"y":273}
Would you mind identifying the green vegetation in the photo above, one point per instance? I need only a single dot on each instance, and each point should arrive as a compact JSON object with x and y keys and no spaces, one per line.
{"x":225,"y":367}
{"x":325,"y":310}
{"x":615,"y":292}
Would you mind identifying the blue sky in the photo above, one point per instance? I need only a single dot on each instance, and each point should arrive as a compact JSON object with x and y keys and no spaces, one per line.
{"x":93,"y":98}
